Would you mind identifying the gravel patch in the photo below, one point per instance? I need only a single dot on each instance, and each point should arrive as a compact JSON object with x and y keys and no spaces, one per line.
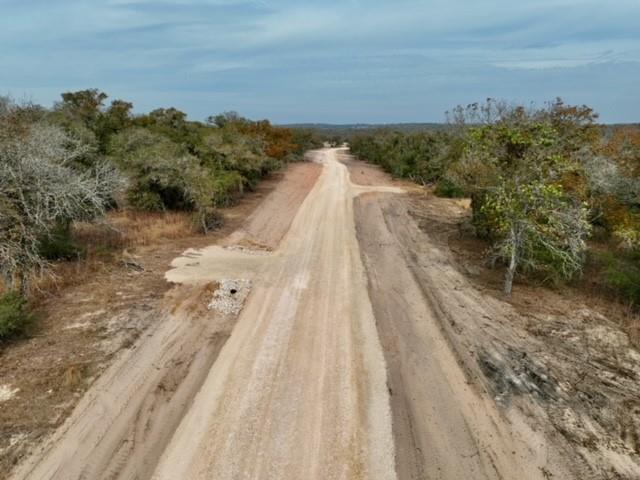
{"x":230,"y":296}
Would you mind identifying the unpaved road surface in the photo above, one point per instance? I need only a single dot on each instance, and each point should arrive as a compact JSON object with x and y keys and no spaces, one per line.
{"x":339,"y":365}
{"x":299,"y":390}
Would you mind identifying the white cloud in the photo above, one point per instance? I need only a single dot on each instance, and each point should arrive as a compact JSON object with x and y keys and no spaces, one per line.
{"x":286,"y":48}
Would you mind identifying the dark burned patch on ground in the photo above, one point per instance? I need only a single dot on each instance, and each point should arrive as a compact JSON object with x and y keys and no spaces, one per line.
{"x":517,"y":373}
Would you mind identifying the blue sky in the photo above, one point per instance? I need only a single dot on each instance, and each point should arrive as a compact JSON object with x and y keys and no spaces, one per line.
{"x":326,"y":61}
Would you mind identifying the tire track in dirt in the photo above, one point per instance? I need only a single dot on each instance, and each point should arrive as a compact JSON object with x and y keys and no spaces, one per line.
{"x":124,"y":422}
{"x":444,"y":425}
{"x":299,"y":390}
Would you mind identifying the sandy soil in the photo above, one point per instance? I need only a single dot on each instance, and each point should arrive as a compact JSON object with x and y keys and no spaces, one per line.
{"x":266,"y":226}
{"x":299,"y":390}
{"x":505,"y":391}
{"x":158,"y":348}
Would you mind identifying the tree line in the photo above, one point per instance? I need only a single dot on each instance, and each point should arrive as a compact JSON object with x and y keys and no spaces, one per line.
{"x":84,"y":156}
{"x":543,"y":182}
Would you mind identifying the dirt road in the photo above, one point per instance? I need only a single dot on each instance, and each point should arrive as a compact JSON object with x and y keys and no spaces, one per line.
{"x":297,"y":387}
{"x":299,"y":391}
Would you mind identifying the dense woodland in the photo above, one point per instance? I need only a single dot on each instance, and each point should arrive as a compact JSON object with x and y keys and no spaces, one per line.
{"x":86,"y":156}
{"x":552,"y":190}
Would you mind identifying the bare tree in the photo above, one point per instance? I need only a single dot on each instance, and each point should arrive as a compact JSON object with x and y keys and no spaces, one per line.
{"x":39,"y":188}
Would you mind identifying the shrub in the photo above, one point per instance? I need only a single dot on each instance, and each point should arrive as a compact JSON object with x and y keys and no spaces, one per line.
{"x":14,"y":315}
{"x":419,"y":156}
{"x":622,"y":274}
{"x":139,"y":197}
{"x":59,"y":245}
{"x":161,"y":173}
{"x":447,"y":187}
{"x":226,"y":187}
{"x":207,"y":219}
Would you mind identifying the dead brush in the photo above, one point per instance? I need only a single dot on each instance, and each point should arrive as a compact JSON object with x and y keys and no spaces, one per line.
{"x":73,"y":376}
{"x":131,"y":228}
{"x":65,"y":274}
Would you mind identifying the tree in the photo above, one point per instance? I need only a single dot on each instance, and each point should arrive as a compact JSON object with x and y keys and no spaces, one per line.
{"x":518,"y":166}
{"x":537,"y":229}
{"x":172,"y":124}
{"x":83,"y":114}
{"x":157,"y":168}
{"x":39,"y":189}
{"x":226,"y":118}
{"x":83,"y":105}
{"x":114,"y":119}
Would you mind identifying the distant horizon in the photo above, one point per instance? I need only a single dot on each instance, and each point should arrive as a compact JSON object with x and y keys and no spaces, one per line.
{"x":138,"y":111}
{"x":363,"y":124}
{"x":25,"y":97}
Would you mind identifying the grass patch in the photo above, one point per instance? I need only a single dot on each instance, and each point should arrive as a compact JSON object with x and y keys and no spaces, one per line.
{"x":132,"y":228}
{"x":447,"y":188}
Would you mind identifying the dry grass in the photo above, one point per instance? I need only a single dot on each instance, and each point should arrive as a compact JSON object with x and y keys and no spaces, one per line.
{"x":103,"y":244}
{"x":128,"y":228}
{"x":73,"y":376}
{"x":631,"y":325}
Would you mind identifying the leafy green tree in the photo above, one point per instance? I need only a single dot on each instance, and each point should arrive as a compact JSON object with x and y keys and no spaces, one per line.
{"x":159,"y":169}
{"x":517,"y":167}
{"x":83,"y":115}
{"x":116,"y":118}
{"x":173,"y":124}
{"x":84,"y":105}
{"x":305,"y":139}
{"x":226,"y":119}
{"x":536,"y":228}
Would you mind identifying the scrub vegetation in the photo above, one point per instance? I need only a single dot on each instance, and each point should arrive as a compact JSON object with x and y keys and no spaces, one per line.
{"x":551,"y":190}
{"x":71,"y":164}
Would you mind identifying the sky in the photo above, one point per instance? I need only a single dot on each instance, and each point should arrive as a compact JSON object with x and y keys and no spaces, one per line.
{"x":350,"y":61}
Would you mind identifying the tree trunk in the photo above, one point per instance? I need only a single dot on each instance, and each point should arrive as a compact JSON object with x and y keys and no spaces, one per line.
{"x":513,"y":263}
